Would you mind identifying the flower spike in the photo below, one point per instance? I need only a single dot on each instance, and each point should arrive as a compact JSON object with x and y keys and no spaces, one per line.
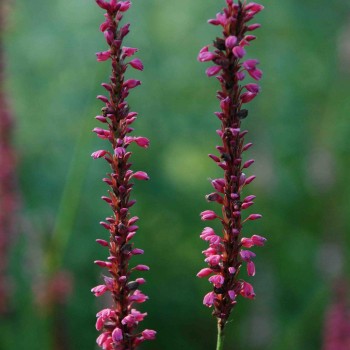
{"x":118,"y":324}
{"x":225,"y":255}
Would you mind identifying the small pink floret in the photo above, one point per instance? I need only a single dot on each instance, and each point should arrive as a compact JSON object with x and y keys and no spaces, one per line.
{"x":149,"y":334}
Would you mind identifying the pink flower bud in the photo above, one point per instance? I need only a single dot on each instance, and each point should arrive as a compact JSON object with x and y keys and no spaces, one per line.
{"x":255,"y":88}
{"x":253,"y":26}
{"x":247,"y":255}
{"x":247,"y":290}
{"x":247,"y":97}
{"x":232,"y":270}
{"x":247,"y":146}
{"x":232,"y":294}
{"x":131,"y":83}
{"x":254,"y":217}
{"x":142,"y":142}
{"x":206,"y":56}
{"x":141,"y":268}
{"x":231,"y":41}
{"x":209,"y":299}
{"x":258,"y":240}
{"x":149,"y":334}
{"x":252,"y":6}
{"x":249,"y":179}
{"x":208,"y":215}
{"x":250,"y":268}
{"x":250,"y":64}
{"x":103,"y":56}
{"x":102,"y":242}
{"x":103,"y":4}
{"x":248,"y":163}
{"x":137,"y":64}
{"x":140,"y":175}
{"x":204,"y":272}
{"x":129,"y":51}
{"x":117,"y":335}
{"x":124,"y":5}
{"x":98,"y":154}
{"x":217,"y":280}
{"x":99,"y":290}
{"x":238,"y":52}
{"x":219,"y":185}
{"x":211,"y":71}
{"x":213,"y":260}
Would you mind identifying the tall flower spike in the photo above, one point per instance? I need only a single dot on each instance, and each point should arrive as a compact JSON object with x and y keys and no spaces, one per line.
{"x":118,"y":324}
{"x":225,"y":255}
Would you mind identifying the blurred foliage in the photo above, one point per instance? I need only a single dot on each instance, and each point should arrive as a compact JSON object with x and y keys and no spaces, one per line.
{"x":300,"y":128}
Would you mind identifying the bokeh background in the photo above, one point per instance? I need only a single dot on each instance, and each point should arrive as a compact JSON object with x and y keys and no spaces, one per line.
{"x":301,"y":131}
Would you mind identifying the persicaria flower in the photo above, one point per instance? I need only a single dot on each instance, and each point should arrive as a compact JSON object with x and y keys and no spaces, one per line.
{"x":228,"y":252}
{"x":119,"y":322}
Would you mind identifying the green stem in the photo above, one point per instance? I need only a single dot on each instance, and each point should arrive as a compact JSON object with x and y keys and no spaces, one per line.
{"x":221,"y":338}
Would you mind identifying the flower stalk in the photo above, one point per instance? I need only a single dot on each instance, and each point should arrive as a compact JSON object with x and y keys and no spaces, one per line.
{"x":118,"y":324}
{"x":227,"y":253}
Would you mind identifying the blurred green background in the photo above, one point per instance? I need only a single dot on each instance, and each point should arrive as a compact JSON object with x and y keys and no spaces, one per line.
{"x":299,"y":125}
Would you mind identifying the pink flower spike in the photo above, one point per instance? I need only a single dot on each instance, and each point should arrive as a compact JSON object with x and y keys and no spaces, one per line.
{"x":149,"y":334}
{"x":204,"y":272}
{"x":208,"y":215}
{"x":103,"y":56}
{"x":209,"y":299}
{"x":231,"y":41}
{"x":137,"y":64}
{"x":211,"y":71}
{"x":141,"y":268}
{"x":140,"y":175}
{"x":238,"y":52}
{"x":250,"y":268}
{"x":254,"y":217}
{"x":117,"y":335}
